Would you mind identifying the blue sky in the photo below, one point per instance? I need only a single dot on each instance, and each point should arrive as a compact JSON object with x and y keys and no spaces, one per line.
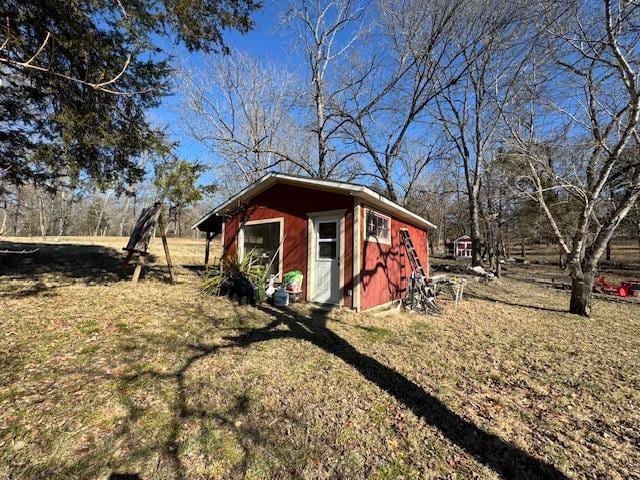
{"x":270,"y":41}
{"x":266,"y":40}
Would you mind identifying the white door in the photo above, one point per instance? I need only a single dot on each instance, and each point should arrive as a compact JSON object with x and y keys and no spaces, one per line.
{"x":326,"y":261}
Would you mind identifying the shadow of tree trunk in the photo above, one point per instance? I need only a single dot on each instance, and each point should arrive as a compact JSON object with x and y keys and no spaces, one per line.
{"x":504,"y":458}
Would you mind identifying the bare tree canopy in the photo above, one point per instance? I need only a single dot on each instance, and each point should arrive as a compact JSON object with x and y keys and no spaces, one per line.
{"x":244,"y":112}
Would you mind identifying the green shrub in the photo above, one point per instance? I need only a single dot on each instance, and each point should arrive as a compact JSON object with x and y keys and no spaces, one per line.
{"x":231,"y":270}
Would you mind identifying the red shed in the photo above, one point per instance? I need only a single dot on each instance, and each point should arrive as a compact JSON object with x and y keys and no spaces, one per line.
{"x":463,"y":247}
{"x":344,"y":237}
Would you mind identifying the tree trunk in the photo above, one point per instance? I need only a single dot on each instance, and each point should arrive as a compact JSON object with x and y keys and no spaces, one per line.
{"x":581,"y":293}
{"x":320,"y":120}
{"x":4,"y":219}
{"x":523,"y":251}
{"x":42,"y":216}
{"x":476,"y":254}
{"x":52,"y":214}
{"x":135,"y":205}
{"x":608,"y":256}
{"x":562,"y":262}
{"x":506,"y":246}
{"x":390,"y":188}
{"x":103,"y":207}
{"x":637,"y":212}
{"x":66,"y":207}
{"x":491,"y":253}
{"x":61,"y":217}
{"x":123,"y":218}
{"x":16,"y":213}
{"x":442,"y":237}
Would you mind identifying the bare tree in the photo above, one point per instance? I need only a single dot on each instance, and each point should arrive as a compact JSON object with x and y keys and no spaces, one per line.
{"x":43,"y":219}
{"x":467,"y":112}
{"x":434,"y":197}
{"x":426,"y":47}
{"x":102,"y":208}
{"x":576,"y":134}
{"x":243,"y":111}
{"x":327,"y":30}
{"x":499,"y":208}
{"x":125,"y":213}
{"x":257,"y":117}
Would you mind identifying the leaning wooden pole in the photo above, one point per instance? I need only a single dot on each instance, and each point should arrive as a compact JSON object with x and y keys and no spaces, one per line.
{"x":165,"y":245}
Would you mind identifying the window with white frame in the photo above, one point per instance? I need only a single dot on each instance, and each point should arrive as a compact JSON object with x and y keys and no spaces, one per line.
{"x":261,"y":239}
{"x":378,"y":226}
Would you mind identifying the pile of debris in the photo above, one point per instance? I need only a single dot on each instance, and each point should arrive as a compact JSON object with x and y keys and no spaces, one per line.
{"x":454,"y":284}
{"x":483,"y":274}
{"x":457,"y":268}
{"x":461,"y":269}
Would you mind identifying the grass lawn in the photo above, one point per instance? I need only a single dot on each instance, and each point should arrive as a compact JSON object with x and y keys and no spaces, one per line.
{"x":97,"y":377}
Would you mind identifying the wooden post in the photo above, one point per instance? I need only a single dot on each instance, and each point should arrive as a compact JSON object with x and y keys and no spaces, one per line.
{"x":138,"y":270}
{"x":166,"y":247}
{"x":208,"y":238}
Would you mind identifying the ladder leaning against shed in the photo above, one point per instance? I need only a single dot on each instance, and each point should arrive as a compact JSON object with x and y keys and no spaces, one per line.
{"x":420,"y":296}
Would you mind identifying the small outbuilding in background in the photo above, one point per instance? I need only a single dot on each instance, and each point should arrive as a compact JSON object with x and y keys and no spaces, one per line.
{"x":463,"y":247}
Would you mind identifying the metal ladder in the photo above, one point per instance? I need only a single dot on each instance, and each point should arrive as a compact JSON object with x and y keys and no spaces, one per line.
{"x":420,"y":295}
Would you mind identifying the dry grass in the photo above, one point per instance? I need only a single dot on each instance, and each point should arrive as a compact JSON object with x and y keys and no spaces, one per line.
{"x":622,"y":251}
{"x":543,"y":266}
{"x":97,"y":377}
{"x":624,"y":263}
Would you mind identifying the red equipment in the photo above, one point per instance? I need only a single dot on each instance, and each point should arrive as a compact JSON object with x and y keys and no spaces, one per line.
{"x":622,"y":290}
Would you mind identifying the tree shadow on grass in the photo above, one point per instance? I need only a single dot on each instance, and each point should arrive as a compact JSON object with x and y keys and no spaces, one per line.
{"x":91,"y":463}
{"x":63,"y":264}
{"x":489,"y":449}
{"x":185,"y":409}
{"x":504,"y":458}
{"x":507,"y":460}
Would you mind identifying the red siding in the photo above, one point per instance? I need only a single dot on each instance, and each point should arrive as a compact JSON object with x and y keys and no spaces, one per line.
{"x":386,"y":268}
{"x":293,"y":203}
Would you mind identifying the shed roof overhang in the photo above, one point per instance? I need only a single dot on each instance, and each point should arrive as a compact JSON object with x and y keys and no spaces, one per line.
{"x":209,"y":222}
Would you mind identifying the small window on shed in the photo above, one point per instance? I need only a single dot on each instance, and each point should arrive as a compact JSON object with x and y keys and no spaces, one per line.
{"x":378,"y":227}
